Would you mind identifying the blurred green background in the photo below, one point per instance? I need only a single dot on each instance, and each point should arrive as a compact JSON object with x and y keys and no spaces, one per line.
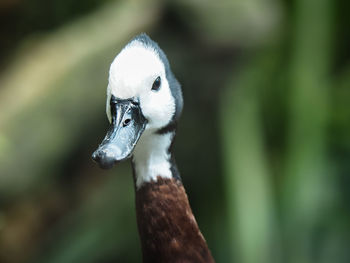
{"x":263,"y":145}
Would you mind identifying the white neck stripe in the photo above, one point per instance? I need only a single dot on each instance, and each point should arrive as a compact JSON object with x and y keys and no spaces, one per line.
{"x":151,"y":157}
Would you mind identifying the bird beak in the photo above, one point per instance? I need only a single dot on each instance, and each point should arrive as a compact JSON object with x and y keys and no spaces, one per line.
{"x":126,"y":127}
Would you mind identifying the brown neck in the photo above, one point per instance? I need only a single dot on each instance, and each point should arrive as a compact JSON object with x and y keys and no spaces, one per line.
{"x":167,"y":227}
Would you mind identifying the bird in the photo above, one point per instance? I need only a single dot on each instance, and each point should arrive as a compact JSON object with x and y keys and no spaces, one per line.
{"x":144,"y":104}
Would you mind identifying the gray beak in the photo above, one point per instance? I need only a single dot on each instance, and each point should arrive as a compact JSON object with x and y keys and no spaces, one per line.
{"x":127,"y":125}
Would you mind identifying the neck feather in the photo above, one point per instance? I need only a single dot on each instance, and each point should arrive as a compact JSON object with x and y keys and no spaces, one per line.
{"x":152,"y":158}
{"x":168,"y":230}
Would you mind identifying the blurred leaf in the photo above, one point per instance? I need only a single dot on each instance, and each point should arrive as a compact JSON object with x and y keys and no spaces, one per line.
{"x":247,"y":176}
{"x":245,"y":23}
{"x":307,"y":187}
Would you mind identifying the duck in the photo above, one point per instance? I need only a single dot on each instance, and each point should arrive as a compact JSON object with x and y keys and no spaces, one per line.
{"x":144,"y":104}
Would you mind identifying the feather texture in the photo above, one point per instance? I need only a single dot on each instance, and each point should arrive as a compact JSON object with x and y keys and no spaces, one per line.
{"x":167,"y":227}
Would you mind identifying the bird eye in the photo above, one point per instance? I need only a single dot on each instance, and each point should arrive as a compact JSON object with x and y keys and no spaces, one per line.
{"x":126,"y":122}
{"x":156,"y":84}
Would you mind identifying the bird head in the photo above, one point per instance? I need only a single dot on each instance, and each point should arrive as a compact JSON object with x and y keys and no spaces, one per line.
{"x":143,"y":97}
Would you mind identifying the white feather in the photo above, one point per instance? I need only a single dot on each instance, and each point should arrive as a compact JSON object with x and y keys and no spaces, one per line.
{"x":131,"y":75}
{"x":151,"y":157}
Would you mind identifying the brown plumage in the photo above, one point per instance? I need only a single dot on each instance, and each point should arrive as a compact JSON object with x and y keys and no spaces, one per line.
{"x":167,"y":227}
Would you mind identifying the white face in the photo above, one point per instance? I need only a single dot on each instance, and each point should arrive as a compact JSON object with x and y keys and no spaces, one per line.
{"x":132,"y":74}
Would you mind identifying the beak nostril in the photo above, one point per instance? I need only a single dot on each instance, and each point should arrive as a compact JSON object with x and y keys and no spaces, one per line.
{"x":126,"y":122}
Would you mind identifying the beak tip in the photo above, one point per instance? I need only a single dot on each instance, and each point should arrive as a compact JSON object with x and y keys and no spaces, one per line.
{"x":104,"y":158}
{"x":95,"y":157}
